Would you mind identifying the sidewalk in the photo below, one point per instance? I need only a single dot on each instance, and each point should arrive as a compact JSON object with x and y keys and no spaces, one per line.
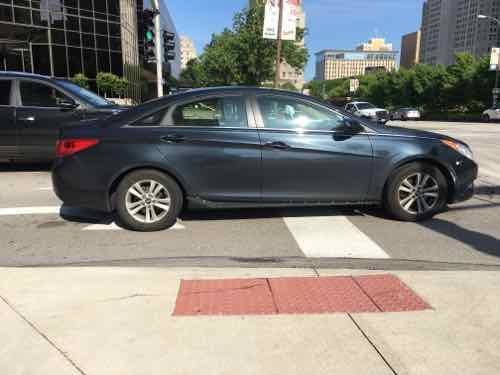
{"x":98,"y":321}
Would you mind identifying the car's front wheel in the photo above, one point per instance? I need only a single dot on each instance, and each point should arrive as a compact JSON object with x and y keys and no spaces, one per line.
{"x":416,"y":192}
{"x":148,"y":200}
{"x":486,"y":118}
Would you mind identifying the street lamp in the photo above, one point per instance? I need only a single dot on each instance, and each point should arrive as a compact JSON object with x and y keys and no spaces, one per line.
{"x":496,"y":91}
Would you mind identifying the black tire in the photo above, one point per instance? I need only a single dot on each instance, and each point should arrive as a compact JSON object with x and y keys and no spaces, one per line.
{"x":486,"y":118}
{"x":392,"y":195}
{"x":176,"y":201}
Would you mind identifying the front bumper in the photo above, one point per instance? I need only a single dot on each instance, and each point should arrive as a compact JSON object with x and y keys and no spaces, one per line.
{"x":467,"y":173}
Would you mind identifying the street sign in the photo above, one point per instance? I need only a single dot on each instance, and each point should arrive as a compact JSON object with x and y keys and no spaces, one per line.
{"x":271,"y":20}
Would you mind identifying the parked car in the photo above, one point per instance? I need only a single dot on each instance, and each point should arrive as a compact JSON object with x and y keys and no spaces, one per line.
{"x":34,"y":108}
{"x":492,"y":114}
{"x":405,"y":114}
{"x":368,"y":111}
{"x":244,"y":147}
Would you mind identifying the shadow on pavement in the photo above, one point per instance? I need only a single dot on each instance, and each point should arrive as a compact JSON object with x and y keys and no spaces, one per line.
{"x":24,"y":167}
{"x":265,"y":213}
{"x":487,"y":190}
{"x":481,"y":242}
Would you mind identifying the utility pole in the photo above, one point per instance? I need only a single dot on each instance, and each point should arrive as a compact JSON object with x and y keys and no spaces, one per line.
{"x":159,"y":55}
{"x":496,"y":90}
{"x":280,"y":42}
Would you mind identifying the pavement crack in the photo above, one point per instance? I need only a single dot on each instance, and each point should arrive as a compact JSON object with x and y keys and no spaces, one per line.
{"x":221,"y":290}
{"x":44,"y":336}
{"x":131,"y":296}
{"x":372,"y":344}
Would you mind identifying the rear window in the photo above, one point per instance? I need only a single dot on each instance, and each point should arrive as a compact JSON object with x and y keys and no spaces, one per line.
{"x":5,"y":92}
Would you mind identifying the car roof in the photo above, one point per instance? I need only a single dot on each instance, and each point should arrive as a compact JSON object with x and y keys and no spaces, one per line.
{"x":13,"y":74}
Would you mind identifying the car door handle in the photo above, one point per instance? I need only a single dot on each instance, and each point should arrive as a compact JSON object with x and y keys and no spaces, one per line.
{"x":28,"y":119}
{"x":277,"y":145}
{"x":173,"y":138}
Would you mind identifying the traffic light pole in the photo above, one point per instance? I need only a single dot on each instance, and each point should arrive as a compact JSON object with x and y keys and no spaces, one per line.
{"x":159,"y":55}
{"x":280,"y":42}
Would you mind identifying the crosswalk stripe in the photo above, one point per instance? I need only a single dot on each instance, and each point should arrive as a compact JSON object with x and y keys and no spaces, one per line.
{"x":332,"y":237}
{"x":113,"y":226}
{"x":12,"y":211}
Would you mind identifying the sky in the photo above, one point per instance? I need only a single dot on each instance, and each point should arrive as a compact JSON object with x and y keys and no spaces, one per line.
{"x":332,"y":24}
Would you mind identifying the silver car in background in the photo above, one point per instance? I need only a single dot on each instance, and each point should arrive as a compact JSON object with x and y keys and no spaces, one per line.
{"x":406,"y":114}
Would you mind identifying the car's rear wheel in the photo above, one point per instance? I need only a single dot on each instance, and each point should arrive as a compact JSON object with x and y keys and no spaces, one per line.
{"x":148,"y":200}
{"x":416,"y":192}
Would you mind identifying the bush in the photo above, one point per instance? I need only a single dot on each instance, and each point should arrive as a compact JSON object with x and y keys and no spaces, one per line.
{"x":81,"y":80}
{"x":111,"y":84}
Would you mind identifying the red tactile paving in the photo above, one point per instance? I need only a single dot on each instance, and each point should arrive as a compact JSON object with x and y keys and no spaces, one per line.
{"x":390,"y":294}
{"x":306,"y":295}
{"x":316,"y":295}
{"x":224,"y":297}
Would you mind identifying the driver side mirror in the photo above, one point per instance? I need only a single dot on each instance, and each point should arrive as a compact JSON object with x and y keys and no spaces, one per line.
{"x":67,"y":104}
{"x":351,"y":126}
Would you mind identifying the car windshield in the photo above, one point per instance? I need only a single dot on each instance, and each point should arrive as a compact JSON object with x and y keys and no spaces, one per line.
{"x":85,"y":94}
{"x":365,"y":106}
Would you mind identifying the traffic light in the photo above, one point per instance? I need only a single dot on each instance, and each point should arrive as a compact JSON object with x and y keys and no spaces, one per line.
{"x":169,"y":45}
{"x":149,"y":36}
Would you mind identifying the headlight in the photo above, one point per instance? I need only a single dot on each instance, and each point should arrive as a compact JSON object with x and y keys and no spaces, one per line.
{"x":460,"y":148}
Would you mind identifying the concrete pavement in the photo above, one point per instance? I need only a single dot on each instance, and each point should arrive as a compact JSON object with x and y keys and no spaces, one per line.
{"x":118,"y":321}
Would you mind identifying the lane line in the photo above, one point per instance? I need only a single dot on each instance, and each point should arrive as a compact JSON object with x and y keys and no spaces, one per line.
{"x":332,"y":237}
{"x":45,"y":189}
{"x":13,"y":211}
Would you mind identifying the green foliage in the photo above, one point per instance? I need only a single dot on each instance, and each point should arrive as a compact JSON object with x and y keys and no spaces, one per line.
{"x":111,"y":84}
{"x":241,"y":56}
{"x":81,"y":80}
{"x":464,"y":86}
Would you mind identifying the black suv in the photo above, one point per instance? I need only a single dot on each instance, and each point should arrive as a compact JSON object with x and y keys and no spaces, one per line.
{"x":34,"y":108}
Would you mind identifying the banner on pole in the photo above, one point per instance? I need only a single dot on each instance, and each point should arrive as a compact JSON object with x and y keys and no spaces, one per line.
{"x":271,"y":19}
{"x":495,"y":58}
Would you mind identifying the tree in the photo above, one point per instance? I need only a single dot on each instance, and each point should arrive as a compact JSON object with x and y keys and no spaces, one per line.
{"x":241,"y":56}
{"x":81,"y":80}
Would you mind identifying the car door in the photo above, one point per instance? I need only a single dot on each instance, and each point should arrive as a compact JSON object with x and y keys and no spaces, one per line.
{"x":43,"y":111}
{"x":307,"y":155}
{"x":213,"y":144}
{"x":8,"y":129}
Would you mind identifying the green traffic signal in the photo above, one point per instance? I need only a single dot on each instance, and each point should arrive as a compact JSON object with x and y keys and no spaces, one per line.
{"x":149,"y":36}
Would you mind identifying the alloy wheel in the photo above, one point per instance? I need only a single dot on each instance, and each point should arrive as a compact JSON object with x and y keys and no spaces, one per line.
{"x":418,"y":193}
{"x":148,"y":201}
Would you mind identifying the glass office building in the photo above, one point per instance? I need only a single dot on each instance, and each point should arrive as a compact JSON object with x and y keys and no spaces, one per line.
{"x":62,"y":38}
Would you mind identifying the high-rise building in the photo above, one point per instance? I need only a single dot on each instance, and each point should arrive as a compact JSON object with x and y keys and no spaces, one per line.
{"x":452,"y":26}
{"x":188,"y":51}
{"x":335,"y":64}
{"x":410,"y":50}
{"x":288,"y":73}
{"x":61,"y":38}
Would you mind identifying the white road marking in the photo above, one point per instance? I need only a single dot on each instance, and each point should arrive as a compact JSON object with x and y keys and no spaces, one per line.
{"x":45,"y":189}
{"x":332,"y":237}
{"x":13,"y":211}
{"x":113,"y":226}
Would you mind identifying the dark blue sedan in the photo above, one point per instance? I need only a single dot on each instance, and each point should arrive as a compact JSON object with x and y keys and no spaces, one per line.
{"x":248,"y":147}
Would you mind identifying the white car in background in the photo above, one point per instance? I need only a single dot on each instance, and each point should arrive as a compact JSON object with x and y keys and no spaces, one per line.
{"x":406,"y":114}
{"x":368,"y":111}
{"x":492,"y":114}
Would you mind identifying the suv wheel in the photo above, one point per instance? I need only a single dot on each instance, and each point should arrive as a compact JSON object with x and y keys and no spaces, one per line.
{"x":416,"y":192}
{"x":148,"y":201}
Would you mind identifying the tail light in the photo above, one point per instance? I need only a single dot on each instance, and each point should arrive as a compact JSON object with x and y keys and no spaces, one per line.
{"x":66,"y":147}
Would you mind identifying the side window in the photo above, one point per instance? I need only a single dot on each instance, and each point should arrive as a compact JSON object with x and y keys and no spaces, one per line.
{"x":35,"y":94}
{"x":284,"y":113}
{"x":156,"y":119}
{"x":5,"y":92}
{"x":348,"y":108}
{"x":225,"y":112}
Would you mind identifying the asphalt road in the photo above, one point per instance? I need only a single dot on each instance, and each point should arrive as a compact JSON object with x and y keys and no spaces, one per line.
{"x":34,"y":232}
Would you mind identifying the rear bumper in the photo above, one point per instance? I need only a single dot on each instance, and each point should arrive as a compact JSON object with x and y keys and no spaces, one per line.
{"x":74,"y":190}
